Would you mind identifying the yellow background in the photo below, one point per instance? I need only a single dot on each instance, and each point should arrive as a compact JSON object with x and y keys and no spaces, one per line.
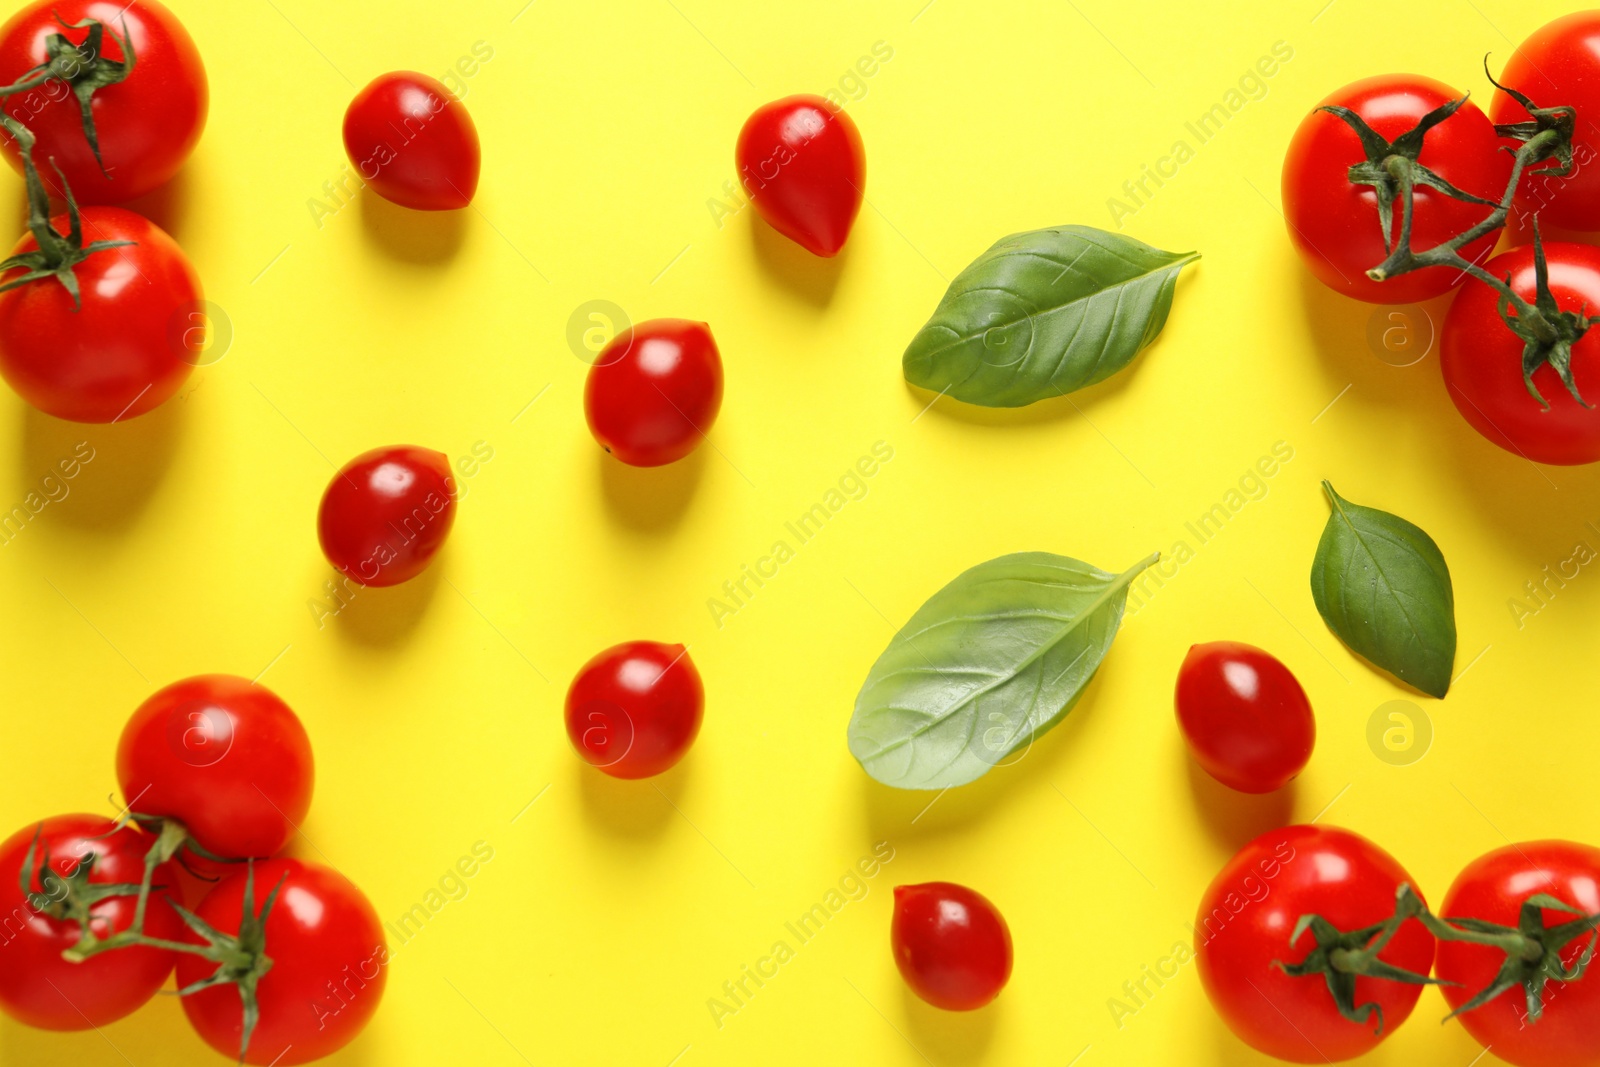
{"x":612,"y":911}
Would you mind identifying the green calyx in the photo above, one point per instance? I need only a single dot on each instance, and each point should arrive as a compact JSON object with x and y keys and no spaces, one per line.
{"x":69,"y":897}
{"x":1393,"y":168}
{"x":1557,"y":122}
{"x":85,"y":68}
{"x":1532,"y":949}
{"x":58,"y":254}
{"x":241,"y":958}
{"x":1547,"y":332}
{"x":1341,"y":957}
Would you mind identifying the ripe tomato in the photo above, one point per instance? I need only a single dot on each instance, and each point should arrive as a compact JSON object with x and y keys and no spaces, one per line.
{"x":634,"y":709}
{"x":1559,"y":66}
{"x":146,"y":124}
{"x":1482,"y":360}
{"x":1244,"y":925}
{"x":329,"y":965}
{"x":1492,"y":889}
{"x":37,"y":986}
{"x":413,"y":142}
{"x":951,"y":944}
{"x":802,"y":164}
{"x":654,"y":391}
{"x":386,"y":514}
{"x":1334,"y":223}
{"x":1245,"y":717}
{"x":127,"y":348}
{"x":223,"y":756}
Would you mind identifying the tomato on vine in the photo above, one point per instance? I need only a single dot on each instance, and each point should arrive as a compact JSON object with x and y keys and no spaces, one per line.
{"x":1345,"y":206}
{"x":114,"y":91}
{"x":1520,"y":958}
{"x":223,"y":756}
{"x":94,"y":332}
{"x":1559,"y":67}
{"x":65,"y":878}
{"x":1541,"y":413}
{"x":294,"y":965}
{"x":1330,"y":996}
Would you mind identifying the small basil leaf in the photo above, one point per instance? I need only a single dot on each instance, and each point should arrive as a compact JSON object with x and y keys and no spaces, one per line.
{"x":1382,"y":586}
{"x":1043,"y":313}
{"x":991,"y":661}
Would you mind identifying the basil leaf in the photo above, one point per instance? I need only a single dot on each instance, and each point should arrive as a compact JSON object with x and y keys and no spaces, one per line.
{"x":1043,"y":313}
{"x":991,"y":661}
{"x":1382,"y":586}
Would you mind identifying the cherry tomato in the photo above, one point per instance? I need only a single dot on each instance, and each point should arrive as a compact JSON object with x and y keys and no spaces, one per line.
{"x":146,"y":124}
{"x":1482,"y":360}
{"x":223,"y":756}
{"x":802,"y":164}
{"x":1559,"y":66}
{"x":1492,"y":889}
{"x":40,"y":988}
{"x":654,"y":391}
{"x":634,"y":709}
{"x":127,"y":348}
{"x":413,"y":142}
{"x":951,"y":944}
{"x":329,"y":965}
{"x":386,"y":514}
{"x":1334,"y":224}
{"x":1245,"y":920}
{"x":1245,"y":717}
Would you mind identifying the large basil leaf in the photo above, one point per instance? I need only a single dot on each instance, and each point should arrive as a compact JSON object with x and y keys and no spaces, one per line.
{"x":1043,"y":313}
{"x":990,"y":662}
{"x":1382,"y":586}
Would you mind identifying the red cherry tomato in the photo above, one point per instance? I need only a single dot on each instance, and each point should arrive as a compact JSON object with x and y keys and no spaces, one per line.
{"x":223,"y":756}
{"x":1559,"y":66}
{"x":329,"y":965}
{"x":386,"y":514}
{"x":634,"y":710}
{"x":37,"y":986}
{"x":1245,"y":920}
{"x":413,"y":142}
{"x":1493,"y":888}
{"x":127,"y":348}
{"x":146,"y":124}
{"x":951,"y":944}
{"x":654,"y":391}
{"x":802,"y":164}
{"x":1244,"y":715}
{"x":1482,"y":360}
{"x":1334,"y":224}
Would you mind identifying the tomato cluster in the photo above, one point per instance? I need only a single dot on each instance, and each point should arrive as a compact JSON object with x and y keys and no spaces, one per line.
{"x":1314,"y":944}
{"x":1396,"y":189}
{"x":218,"y":774}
